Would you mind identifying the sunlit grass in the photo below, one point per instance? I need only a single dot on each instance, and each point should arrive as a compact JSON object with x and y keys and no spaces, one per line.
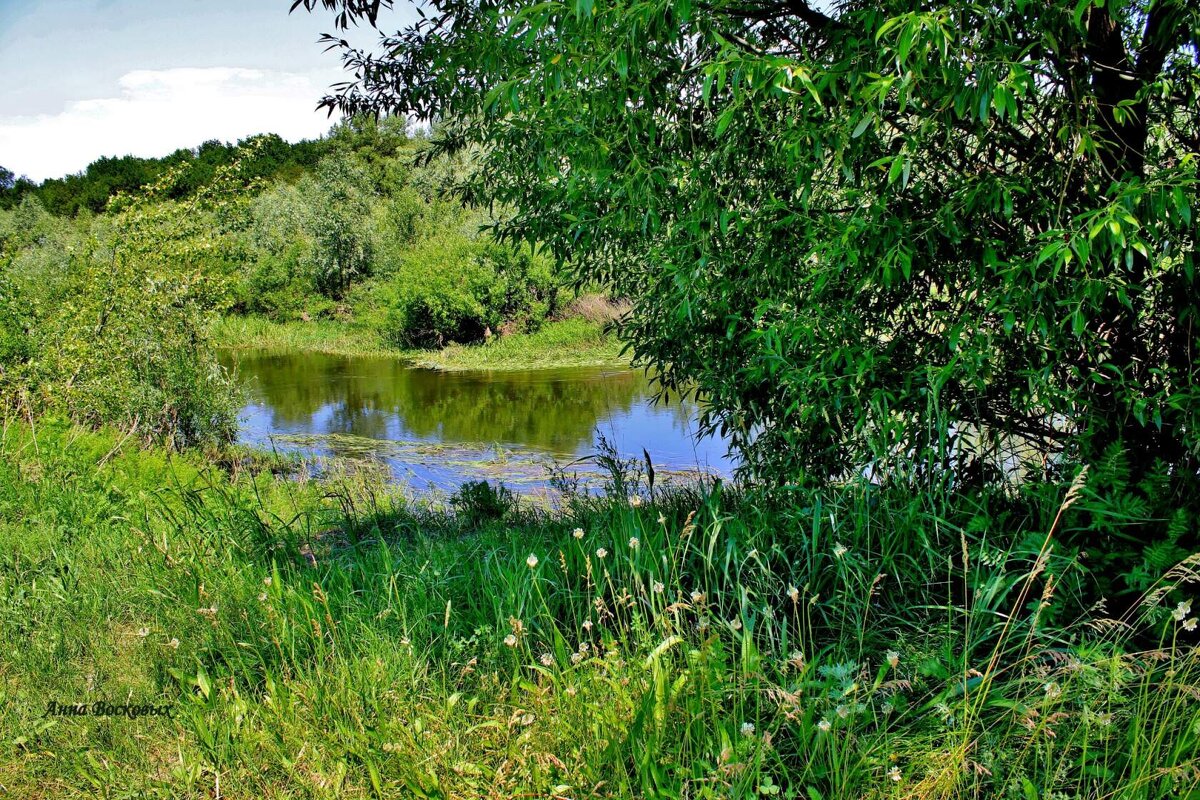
{"x":564,"y":343}
{"x":319,"y":336}
{"x":336,"y":640}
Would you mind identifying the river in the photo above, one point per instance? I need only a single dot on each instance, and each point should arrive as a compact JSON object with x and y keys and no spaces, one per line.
{"x":435,"y":430}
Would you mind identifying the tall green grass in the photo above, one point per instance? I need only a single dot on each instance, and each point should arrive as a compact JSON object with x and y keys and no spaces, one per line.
{"x":338,"y":640}
{"x":320,"y":336}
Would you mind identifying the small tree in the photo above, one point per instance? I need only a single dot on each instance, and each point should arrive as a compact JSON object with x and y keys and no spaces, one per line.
{"x":342,"y":247}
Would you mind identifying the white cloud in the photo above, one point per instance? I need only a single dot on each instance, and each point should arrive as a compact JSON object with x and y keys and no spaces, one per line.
{"x":158,"y":111}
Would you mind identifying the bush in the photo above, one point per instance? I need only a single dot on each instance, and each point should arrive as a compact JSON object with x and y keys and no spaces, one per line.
{"x":108,"y":325}
{"x":275,"y":286}
{"x":477,"y":502}
{"x":453,"y":288}
{"x":112,"y":345}
{"x":280,"y":246}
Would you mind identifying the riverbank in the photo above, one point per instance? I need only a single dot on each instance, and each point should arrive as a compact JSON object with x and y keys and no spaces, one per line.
{"x":561,"y":343}
{"x":334,"y":639}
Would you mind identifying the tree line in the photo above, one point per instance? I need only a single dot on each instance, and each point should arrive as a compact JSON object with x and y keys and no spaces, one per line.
{"x":91,"y":189}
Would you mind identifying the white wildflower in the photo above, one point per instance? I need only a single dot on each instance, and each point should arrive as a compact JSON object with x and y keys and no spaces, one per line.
{"x":546,"y":659}
{"x":893,"y":658}
{"x":839,"y":550}
{"x":894,"y":774}
{"x":510,"y":640}
{"x":657,"y":587}
{"x":1182,"y":610}
{"x":747,"y":729}
{"x":1190,"y":625}
{"x":601,"y":552}
{"x":532,"y":561}
{"x":824,"y":725}
{"x":577,"y":533}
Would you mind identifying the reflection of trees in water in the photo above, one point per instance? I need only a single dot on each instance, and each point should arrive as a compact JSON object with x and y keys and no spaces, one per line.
{"x":555,"y":412}
{"x":552,"y":409}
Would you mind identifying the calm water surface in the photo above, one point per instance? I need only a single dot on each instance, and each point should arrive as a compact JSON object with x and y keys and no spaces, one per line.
{"x":437,"y":429}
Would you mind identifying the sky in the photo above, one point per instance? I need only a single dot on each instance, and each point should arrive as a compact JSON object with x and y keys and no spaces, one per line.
{"x":90,"y":78}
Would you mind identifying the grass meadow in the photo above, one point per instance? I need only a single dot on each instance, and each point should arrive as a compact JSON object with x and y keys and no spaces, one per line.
{"x":340,"y":639}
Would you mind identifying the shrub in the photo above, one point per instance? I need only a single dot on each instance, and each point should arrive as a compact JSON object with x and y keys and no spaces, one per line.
{"x":111,"y":344}
{"x":275,"y":285}
{"x":452,"y":288}
{"x":477,"y":502}
{"x":112,"y":329}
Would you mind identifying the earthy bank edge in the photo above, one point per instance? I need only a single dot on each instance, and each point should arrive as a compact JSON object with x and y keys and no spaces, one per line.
{"x":337,"y":640}
{"x":563,"y":343}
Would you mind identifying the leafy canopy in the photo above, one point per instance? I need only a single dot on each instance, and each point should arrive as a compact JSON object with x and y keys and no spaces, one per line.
{"x":887,"y":233}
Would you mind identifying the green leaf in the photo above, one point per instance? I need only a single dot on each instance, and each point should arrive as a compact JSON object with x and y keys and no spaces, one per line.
{"x":723,"y":121}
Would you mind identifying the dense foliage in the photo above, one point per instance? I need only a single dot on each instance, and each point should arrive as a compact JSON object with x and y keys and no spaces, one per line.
{"x":108,"y":324}
{"x":919,"y":238}
{"x":463,"y":290}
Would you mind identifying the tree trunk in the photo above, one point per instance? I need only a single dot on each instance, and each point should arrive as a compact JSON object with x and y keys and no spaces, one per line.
{"x":1123,"y":132}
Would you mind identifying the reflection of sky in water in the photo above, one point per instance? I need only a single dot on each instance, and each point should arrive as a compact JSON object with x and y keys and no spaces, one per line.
{"x":380,"y":408}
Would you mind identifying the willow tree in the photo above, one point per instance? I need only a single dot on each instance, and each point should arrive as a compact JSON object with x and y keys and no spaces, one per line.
{"x":860,"y":230}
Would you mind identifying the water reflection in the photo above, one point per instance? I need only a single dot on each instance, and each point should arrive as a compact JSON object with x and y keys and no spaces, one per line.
{"x":357,"y":406}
